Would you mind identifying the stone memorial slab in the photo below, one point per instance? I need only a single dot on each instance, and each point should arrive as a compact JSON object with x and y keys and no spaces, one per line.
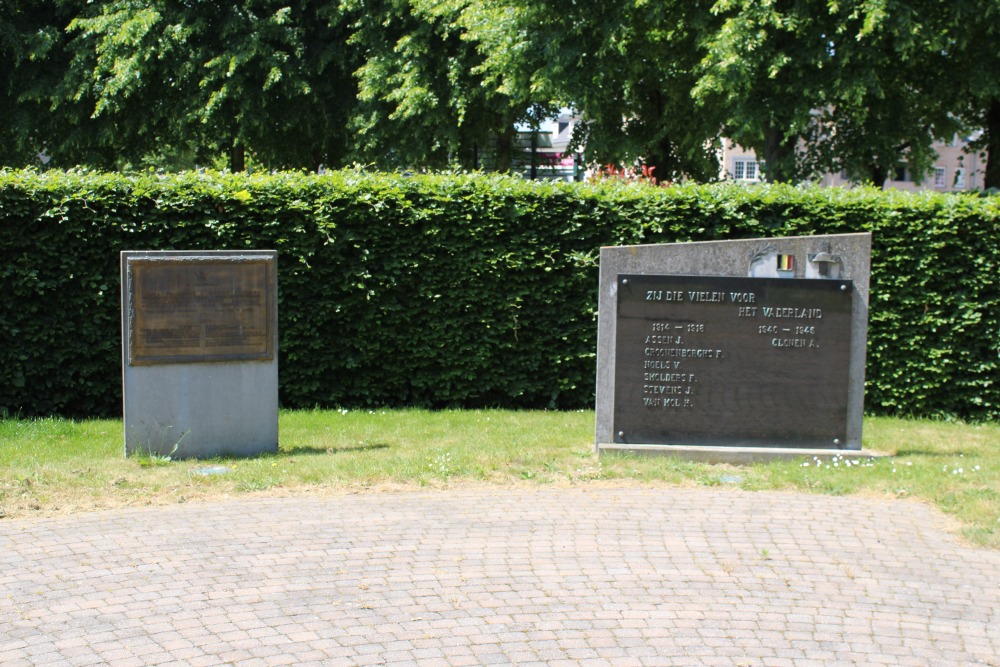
{"x":756,"y":343}
{"x":199,"y":352}
{"x":732,"y":361}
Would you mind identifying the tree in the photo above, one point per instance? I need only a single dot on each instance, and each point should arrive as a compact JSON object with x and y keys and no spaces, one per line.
{"x":851,"y":85}
{"x":766,"y":66}
{"x":973,"y":30}
{"x":31,"y":48}
{"x":989,"y":118}
{"x":255,"y":75}
{"x":425,"y":97}
{"x":276,"y":78}
{"x":12,"y":50}
{"x":625,"y":68}
{"x":891,"y":99}
{"x":846,"y":85}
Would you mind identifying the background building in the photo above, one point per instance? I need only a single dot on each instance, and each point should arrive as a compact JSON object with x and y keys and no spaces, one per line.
{"x":956,"y":169}
{"x":544,"y":151}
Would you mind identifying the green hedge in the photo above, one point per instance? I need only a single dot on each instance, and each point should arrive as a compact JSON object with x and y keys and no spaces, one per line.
{"x":465,"y":290}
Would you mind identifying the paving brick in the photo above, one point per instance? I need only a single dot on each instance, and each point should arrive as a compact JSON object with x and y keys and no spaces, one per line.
{"x":585,"y":576}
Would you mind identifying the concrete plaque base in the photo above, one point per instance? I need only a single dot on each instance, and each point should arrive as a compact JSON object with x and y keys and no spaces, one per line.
{"x":738,"y":455}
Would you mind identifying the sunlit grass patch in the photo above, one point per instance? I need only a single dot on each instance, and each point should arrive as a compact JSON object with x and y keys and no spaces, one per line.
{"x":52,"y":465}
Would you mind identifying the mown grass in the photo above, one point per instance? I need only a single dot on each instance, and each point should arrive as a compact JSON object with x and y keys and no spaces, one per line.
{"x":50,"y":466}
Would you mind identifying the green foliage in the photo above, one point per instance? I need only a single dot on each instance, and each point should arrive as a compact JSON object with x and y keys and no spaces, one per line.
{"x":30,"y":48}
{"x":824,"y":87}
{"x":466,"y":290}
{"x":627,"y":68}
{"x":424,"y":99}
{"x":167,"y":82}
{"x":972,"y":30}
{"x":854,"y":85}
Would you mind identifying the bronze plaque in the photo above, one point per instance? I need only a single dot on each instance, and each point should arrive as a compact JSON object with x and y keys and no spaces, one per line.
{"x":189,"y":309}
{"x":732,"y":361}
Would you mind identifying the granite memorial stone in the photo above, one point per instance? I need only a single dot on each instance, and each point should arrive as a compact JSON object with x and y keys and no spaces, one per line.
{"x":199,"y":352}
{"x":751,"y":343}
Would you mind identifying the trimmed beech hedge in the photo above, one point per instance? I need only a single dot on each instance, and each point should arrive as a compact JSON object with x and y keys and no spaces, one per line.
{"x":466,"y":290}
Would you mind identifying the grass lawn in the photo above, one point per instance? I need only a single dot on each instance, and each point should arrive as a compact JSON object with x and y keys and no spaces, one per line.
{"x":54,"y":466}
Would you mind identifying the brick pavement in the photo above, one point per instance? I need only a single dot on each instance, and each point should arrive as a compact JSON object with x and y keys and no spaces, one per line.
{"x":575,"y":576}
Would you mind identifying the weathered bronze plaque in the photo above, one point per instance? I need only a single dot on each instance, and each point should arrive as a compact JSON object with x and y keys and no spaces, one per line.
{"x":732,"y":361}
{"x":185,"y":310}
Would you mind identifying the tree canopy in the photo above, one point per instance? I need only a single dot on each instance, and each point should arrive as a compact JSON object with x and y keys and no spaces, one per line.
{"x":200,"y":77}
{"x":843,"y":85}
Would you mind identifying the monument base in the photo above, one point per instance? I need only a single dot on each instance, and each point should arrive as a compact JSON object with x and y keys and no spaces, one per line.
{"x":738,"y":455}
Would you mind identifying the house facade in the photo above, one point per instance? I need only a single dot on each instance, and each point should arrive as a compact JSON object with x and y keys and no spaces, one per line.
{"x":544,"y":151}
{"x":954,"y":170}
{"x":544,"y":154}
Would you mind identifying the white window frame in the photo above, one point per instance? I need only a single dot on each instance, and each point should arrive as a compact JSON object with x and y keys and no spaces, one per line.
{"x":960,"y":178}
{"x":746,"y":169}
{"x":940,"y":177}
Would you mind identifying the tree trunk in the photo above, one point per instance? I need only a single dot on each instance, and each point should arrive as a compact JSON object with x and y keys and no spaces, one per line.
{"x":237,"y":158}
{"x":661,"y":155}
{"x":534,"y":154}
{"x":664,"y":159}
{"x":504,"y":153}
{"x":878,"y":174}
{"x":779,"y":156}
{"x":992,"y":177}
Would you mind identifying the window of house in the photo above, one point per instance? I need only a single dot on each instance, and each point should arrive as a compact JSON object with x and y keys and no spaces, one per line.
{"x":745,"y":170}
{"x":960,"y":178}
{"x":940,"y":176}
{"x":899,"y":174}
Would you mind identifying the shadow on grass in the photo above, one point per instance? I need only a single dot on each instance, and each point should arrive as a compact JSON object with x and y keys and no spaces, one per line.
{"x":317,"y":451}
{"x":925,"y":452}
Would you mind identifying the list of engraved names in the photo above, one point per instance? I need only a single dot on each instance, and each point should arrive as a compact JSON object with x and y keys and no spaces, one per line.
{"x":200,"y":310}
{"x":699,"y":350}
